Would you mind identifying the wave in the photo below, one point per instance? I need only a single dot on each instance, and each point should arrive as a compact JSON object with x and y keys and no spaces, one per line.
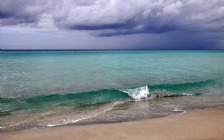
{"x":138,"y":93}
{"x":183,"y":87}
{"x":9,"y":105}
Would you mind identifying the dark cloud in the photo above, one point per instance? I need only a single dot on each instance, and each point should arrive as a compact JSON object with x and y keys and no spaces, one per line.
{"x":115,"y":17}
{"x":21,"y":12}
{"x":109,"y":18}
{"x":150,"y":29}
{"x":99,"y":27}
{"x":182,"y":24}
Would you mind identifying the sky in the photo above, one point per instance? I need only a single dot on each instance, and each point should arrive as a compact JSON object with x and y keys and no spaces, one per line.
{"x":112,"y":24}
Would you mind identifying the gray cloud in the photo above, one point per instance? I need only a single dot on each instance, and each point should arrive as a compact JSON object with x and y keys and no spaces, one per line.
{"x":21,"y":12}
{"x":115,"y":17}
{"x":111,"y":17}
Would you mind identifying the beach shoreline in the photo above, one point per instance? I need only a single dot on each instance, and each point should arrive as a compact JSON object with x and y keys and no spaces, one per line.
{"x":196,"y":124}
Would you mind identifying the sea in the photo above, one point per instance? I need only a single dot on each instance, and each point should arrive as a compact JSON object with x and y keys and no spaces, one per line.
{"x":41,"y":89}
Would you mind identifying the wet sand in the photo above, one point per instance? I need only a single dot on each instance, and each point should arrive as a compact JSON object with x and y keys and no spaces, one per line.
{"x":205,"y":124}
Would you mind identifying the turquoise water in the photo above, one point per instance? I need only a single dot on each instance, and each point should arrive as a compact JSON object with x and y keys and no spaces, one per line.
{"x":63,"y":87}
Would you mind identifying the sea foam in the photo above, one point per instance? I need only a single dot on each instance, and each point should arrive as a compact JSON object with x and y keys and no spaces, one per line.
{"x":138,"y":93}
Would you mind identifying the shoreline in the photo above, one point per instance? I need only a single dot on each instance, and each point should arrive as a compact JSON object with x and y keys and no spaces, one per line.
{"x":196,"y":124}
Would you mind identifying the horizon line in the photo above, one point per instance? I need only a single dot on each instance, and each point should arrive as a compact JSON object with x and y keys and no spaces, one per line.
{"x":103,"y":49}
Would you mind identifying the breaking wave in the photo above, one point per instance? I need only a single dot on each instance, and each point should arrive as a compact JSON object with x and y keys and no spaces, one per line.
{"x":9,"y":105}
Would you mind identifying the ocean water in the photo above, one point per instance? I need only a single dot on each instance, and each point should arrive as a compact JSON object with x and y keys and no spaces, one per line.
{"x":50,"y":88}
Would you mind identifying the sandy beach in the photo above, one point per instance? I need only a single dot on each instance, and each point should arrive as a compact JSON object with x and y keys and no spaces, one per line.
{"x":198,"y":124}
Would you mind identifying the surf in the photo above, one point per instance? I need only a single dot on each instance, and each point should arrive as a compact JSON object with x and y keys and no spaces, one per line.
{"x":9,"y":105}
{"x":139,"y":93}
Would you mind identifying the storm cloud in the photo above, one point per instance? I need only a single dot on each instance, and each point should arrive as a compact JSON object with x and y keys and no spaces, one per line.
{"x":195,"y":22}
{"x":115,"y":17}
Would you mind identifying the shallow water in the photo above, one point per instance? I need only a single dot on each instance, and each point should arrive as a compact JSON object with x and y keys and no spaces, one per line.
{"x":48,"y":88}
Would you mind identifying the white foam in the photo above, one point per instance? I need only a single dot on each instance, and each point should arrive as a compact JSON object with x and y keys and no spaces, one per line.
{"x":187,"y":94}
{"x":87,"y":116}
{"x":51,"y":125}
{"x":64,"y":122}
{"x":138,"y":93}
{"x":179,"y":110}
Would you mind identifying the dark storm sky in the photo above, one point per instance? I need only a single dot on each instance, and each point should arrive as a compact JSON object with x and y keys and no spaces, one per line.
{"x":112,"y":24}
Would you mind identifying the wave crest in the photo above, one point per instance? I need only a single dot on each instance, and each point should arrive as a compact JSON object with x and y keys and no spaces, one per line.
{"x":138,"y":93}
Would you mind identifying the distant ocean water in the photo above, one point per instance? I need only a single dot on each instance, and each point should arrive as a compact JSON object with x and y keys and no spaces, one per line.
{"x":49,"y":88}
